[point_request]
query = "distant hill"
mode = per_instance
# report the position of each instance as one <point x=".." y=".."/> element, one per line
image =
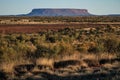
<point x="114" y="15"/>
<point x="59" y="12"/>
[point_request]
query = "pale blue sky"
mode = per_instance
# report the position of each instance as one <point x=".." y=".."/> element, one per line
<point x="11" y="7"/>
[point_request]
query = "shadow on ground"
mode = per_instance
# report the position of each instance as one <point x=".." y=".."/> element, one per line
<point x="97" y="76"/>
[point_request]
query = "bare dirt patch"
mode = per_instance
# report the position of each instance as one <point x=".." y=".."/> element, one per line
<point x="34" y="28"/>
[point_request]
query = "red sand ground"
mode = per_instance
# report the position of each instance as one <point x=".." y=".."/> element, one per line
<point x="33" y="28"/>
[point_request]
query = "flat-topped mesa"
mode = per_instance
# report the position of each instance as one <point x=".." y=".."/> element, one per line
<point x="59" y="12"/>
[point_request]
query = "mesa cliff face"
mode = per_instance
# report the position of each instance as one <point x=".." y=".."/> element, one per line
<point x="59" y="12"/>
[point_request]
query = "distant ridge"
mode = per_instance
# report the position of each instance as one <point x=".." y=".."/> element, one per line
<point x="114" y="15"/>
<point x="59" y="12"/>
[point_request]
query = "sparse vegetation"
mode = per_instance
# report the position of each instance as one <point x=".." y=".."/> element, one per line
<point x="72" y="49"/>
<point x="59" y="19"/>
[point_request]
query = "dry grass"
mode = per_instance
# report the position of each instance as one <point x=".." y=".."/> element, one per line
<point x="87" y="59"/>
<point x="89" y="56"/>
<point x="82" y="56"/>
<point x="8" y="67"/>
<point x="108" y="65"/>
<point x="99" y="56"/>
<point x="106" y="56"/>
<point x="67" y="63"/>
<point x="70" y="57"/>
<point x="45" y="61"/>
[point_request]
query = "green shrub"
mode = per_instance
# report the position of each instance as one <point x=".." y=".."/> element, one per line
<point x="111" y="45"/>
<point x="93" y="50"/>
<point x="42" y="51"/>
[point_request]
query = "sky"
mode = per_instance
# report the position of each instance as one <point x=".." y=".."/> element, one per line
<point x="99" y="7"/>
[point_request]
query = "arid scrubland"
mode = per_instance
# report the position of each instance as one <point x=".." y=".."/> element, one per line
<point x="85" y="53"/>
